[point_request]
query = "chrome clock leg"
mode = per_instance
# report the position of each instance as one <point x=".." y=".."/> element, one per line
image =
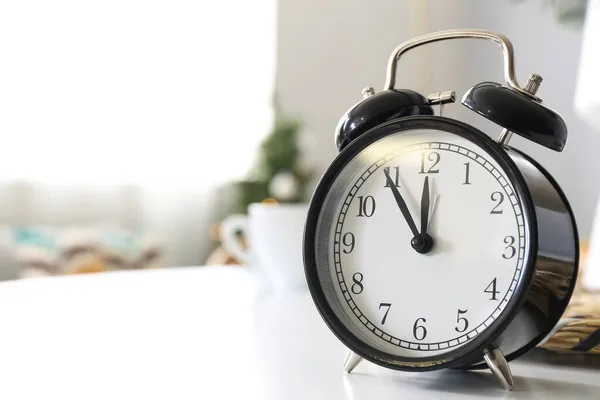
<point x="352" y="361"/>
<point x="499" y="366"/>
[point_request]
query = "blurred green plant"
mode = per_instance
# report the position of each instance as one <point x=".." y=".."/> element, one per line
<point x="278" y="173"/>
<point x="567" y="12"/>
<point x="279" y="151"/>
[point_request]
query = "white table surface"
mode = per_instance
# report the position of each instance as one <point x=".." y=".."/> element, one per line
<point x="206" y="333"/>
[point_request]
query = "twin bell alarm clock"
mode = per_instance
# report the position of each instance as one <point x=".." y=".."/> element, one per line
<point x="430" y="245"/>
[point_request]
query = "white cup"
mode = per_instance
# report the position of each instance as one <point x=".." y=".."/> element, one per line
<point x="273" y="234"/>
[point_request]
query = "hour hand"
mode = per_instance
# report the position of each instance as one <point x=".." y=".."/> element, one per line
<point x="401" y="204"/>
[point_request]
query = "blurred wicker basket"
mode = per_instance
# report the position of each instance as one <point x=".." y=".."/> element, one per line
<point x="578" y="331"/>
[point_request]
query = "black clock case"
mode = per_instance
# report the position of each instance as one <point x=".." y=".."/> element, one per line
<point x="556" y="264"/>
<point x="549" y="275"/>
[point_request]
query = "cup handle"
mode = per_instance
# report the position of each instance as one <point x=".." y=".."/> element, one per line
<point x="227" y="233"/>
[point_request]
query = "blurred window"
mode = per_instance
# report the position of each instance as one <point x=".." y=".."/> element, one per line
<point x="132" y="91"/>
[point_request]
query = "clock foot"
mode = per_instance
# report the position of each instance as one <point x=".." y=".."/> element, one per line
<point x="352" y="361"/>
<point x="499" y="366"/>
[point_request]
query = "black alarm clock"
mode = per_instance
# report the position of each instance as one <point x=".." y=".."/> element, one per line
<point x="430" y="245"/>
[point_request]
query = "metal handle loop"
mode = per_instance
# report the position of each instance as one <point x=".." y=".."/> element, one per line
<point x="503" y="41"/>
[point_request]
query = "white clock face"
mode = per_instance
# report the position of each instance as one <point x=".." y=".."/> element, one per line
<point x="422" y="301"/>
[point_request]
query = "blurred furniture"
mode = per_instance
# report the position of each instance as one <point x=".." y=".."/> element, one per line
<point x="178" y="218"/>
<point x="27" y="252"/>
<point x="130" y="128"/>
<point x="43" y="251"/>
<point x="207" y="333"/>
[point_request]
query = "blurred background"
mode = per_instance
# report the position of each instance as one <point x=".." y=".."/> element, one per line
<point x="131" y="129"/>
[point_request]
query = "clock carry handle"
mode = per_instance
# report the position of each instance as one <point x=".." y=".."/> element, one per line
<point x="503" y="41"/>
<point x="517" y="109"/>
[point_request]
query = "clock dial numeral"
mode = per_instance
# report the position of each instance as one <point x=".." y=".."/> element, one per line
<point x="509" y="241"/>
<point x="467" y="173"/>
<point x="387" y="306"/>
<point x="348" y="241"/>
<point x="366" y="206"/>
<point x="357" y="286"/>
<point x="434" y="158"/>
<point x="419" y="331"/>
<point x="395" y="176"/>
<point x="491" y="289"/>
<point x="499" y="198"/>
<point x="461" y="321"/>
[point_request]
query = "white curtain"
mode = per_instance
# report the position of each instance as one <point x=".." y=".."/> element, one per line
<point x="131" y="111"/>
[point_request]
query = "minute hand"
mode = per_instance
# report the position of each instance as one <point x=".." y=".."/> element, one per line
<point x="401" y="204"/>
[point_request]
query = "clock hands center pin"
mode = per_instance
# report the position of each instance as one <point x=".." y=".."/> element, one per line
<point x="422" y="242"/>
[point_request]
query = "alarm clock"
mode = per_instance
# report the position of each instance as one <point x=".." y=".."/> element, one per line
<point x="430" y="245"/>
